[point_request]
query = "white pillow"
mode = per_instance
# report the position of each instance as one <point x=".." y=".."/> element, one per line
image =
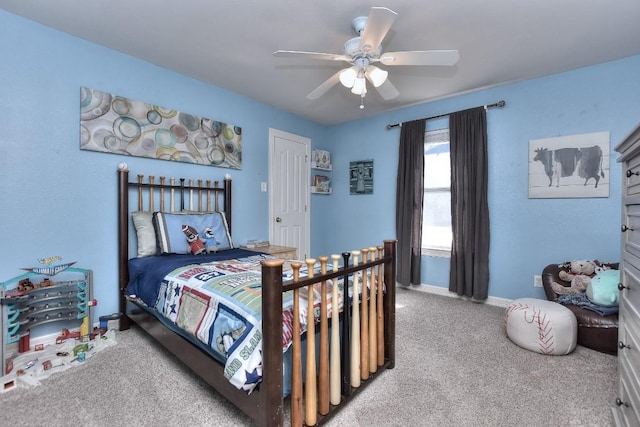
<point x="143" y="223"/>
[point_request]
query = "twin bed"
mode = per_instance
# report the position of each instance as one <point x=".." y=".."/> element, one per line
<point x="239" y="319"/>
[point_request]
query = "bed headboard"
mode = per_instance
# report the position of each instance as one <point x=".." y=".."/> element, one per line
<point x="164" y="195"/>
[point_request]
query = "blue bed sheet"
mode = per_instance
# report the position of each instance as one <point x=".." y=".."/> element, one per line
<point x="146" y="274"/>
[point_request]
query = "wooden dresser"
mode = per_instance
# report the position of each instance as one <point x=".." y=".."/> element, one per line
<point x="626" y="411"/>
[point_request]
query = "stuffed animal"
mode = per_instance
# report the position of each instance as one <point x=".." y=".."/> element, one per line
<point x="210" y="242"/>
<point x="578" y="277"/>
<point x="603" y="289"/>
<point x="196" y="246"/>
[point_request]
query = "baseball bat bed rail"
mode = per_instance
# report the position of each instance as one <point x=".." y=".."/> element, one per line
<point x="372" y="280"/>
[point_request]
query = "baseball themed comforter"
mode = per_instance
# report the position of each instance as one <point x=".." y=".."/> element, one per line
<point x="219" y="303"/>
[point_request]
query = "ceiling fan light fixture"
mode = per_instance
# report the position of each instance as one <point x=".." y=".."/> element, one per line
<point x="376" y="75"/>
<point x="348" y="77"/>
<point x="359" y="86"/>
<point x="364" y="50"/>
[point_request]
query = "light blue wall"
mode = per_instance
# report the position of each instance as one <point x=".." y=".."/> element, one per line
<point x="526" y="234"/>
<point x="59" y="200"/>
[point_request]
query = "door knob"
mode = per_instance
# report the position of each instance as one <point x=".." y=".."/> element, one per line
<point x="620" y="402"/>
<point x="625" y="228"/>
<point x="278" y="219"/>
<point x="622" y="345"/>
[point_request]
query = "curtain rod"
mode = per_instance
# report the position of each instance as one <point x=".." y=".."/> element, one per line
<point x="499" y="104"/>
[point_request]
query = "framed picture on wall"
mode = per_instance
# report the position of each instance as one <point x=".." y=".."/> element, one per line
<point x="574" y="166"/>
<point x="322" y="184"/>
<point x="361" y="177"/>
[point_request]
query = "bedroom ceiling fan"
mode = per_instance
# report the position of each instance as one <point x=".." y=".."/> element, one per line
<point x="364" y="51"/>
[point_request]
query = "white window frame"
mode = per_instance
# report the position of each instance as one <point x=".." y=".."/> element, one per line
<point x="440" y="135"/>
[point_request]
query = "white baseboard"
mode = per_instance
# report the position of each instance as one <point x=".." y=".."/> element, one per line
<point x="439" y="290"/>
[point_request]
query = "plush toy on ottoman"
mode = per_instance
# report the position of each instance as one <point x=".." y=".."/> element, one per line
<point x="542" y="326"/>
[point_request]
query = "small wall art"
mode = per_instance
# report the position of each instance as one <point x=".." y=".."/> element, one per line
<point x="322" y="184"/>
<point x="113" y="124"/>
<point x="321" y="159"/>
<point x="361" y="177"/>
<point x="569" y="166"/>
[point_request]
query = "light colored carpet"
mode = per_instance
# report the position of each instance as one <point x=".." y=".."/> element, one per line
<point x="454" y="367"/>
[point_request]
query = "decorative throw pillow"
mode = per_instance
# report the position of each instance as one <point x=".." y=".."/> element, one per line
<point x="211" y="228"/>
<point x="146" y="233"/>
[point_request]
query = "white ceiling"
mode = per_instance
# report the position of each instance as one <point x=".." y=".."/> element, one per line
<point x="230" y="43"/>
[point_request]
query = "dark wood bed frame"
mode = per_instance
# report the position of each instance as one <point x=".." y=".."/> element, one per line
<point x="266" y="404"/>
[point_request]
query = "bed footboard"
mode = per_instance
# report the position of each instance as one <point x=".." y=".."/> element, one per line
<point x="366" y="326"/>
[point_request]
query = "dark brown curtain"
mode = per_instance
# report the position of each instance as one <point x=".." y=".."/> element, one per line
<point x="469" y="274"/>
<point x="409" y="196"/>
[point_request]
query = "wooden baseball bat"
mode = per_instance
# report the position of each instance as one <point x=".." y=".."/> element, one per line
<point x="323" y="377"/>
<point x="162" y="178"/>
<point x="355" y="327"/>
<point x="364" y="327"/>
<point x="334" y="365"/>
<point x="151" y="204"/>
<point x="182" y="207"/>
<point x="208" y="195"/>
<point x="311" y="391"/>
<point x="346" y="324"/>
<point x="216" y="198"/>
<point x="199" y="195"/>
<point x="190" y="194"/>
<point x="373" y="318"/>
<point x="296" y="356"/>
<point x="172" y="195"/>
<point x="140" y="177"/>
<point x="380" y="310"/>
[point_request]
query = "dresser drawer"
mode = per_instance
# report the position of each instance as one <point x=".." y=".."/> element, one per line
<point x="626" y="414"/>
<point x="631" y="179"/>
<point x="631" y="229"/>
<point x="629" y="336"/>
<point x="630" y="295"/>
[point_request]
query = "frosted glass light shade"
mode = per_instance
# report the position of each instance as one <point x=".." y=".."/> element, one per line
<point x="348" y="77"/>
<point x="376" y="75"/>
<point x="359" y="86"/>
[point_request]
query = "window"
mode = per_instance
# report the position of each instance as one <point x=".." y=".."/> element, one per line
<point x="436" y="207"/>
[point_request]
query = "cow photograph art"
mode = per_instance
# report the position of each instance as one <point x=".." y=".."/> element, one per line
<point x="569" y="166"/>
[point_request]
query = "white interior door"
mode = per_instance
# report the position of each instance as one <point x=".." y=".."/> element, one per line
<point x="289" y="168"/>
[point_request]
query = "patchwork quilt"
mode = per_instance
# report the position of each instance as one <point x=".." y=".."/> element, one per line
<point x="219" y="303"/>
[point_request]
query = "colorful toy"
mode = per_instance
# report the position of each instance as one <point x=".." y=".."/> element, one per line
<point x="49" y="268"/>
<point x="196" y="245"/>
<point x="210" y="242"/>
<point x="603" y="289"/>
<point x="578" y="276"/>
<point x="104" y="320"/>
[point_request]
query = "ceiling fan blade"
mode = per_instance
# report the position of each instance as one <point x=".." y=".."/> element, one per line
<point x="311" y="55"/>
<point x="324" y="87"/>
<point x="378" y="24"/>
<point x="387" y="90"/>
<point x="421" y="57"/>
